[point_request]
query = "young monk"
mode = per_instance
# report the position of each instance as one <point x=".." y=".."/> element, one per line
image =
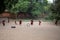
<point x="20" y="22"/>
<point x="15" y="22"/>
<point x="31" y="22"/>
<point x="3" y="22"/>
<point x="39" y="22"/>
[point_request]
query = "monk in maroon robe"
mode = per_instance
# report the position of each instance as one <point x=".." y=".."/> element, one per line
<point x="3" y="22"/>
<point x="31" y="22"/>
<point x="20" y="22"/>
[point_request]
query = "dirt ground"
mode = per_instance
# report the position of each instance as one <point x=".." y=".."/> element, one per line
<point x="45" y="31"/>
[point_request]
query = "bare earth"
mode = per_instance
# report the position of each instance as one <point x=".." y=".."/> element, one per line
<point x="46" y="31"/>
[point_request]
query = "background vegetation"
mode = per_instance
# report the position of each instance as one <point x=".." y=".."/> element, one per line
<point x="36" y="8"/>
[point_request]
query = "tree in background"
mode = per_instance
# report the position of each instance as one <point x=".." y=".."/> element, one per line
<point x="10" y="3"/>
<point x="2" y="6"/>
<point x="33" y="7"/>
<point x="56" y="10"/>
<point x="40" y="7"/>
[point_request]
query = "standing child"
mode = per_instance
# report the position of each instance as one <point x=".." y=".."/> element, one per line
<point x="39" y="22"/>
<point x="3" y="22"/>
<point x="31" y="22"/>
<point x="15" y="22"/>
<point x="8" y="20"/>
<point x="20" y="22"/>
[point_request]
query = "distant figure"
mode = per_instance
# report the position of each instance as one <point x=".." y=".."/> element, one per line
<point x="31" y="22"/>
<point x="15" y="22"/>
<point x="56" y="22"/>
<point x="39" y="22"/>
<point x="3" y="22"/>
<point x="20" y="22"/>
<point x="8" y="20"/>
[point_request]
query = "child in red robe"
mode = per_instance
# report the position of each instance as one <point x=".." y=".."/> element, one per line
<point x="3" y="22"/>
<point x="20" y="22"/>
<point x="31" y="22"/>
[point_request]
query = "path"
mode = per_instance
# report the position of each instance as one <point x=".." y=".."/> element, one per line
<point x="46" y="31"/>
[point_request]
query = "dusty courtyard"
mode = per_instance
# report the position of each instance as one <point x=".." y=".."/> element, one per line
<point x="46" y="31"/>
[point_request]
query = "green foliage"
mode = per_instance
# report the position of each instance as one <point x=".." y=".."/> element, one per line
<point x="56" y="9"/>
<point x="35" y="7"/>
<point x="9" y="3"/>
<point x="21" y="6"/>
<point x="39" y="7"/>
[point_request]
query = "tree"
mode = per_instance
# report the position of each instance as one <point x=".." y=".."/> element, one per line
<point x="56" y="10"/>
<point x="2" y="6"/>
<point x="10" y="3"/>
<point x="33" y="7"/>
<point x="37" y="7"/>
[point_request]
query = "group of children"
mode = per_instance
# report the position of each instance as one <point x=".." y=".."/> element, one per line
<point x="20" y="22"/>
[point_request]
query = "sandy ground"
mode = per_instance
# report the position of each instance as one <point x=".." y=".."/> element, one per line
<point x="46" y="31"/>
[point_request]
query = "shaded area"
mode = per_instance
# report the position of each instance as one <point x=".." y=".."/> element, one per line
<point x="2" y="6"/>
